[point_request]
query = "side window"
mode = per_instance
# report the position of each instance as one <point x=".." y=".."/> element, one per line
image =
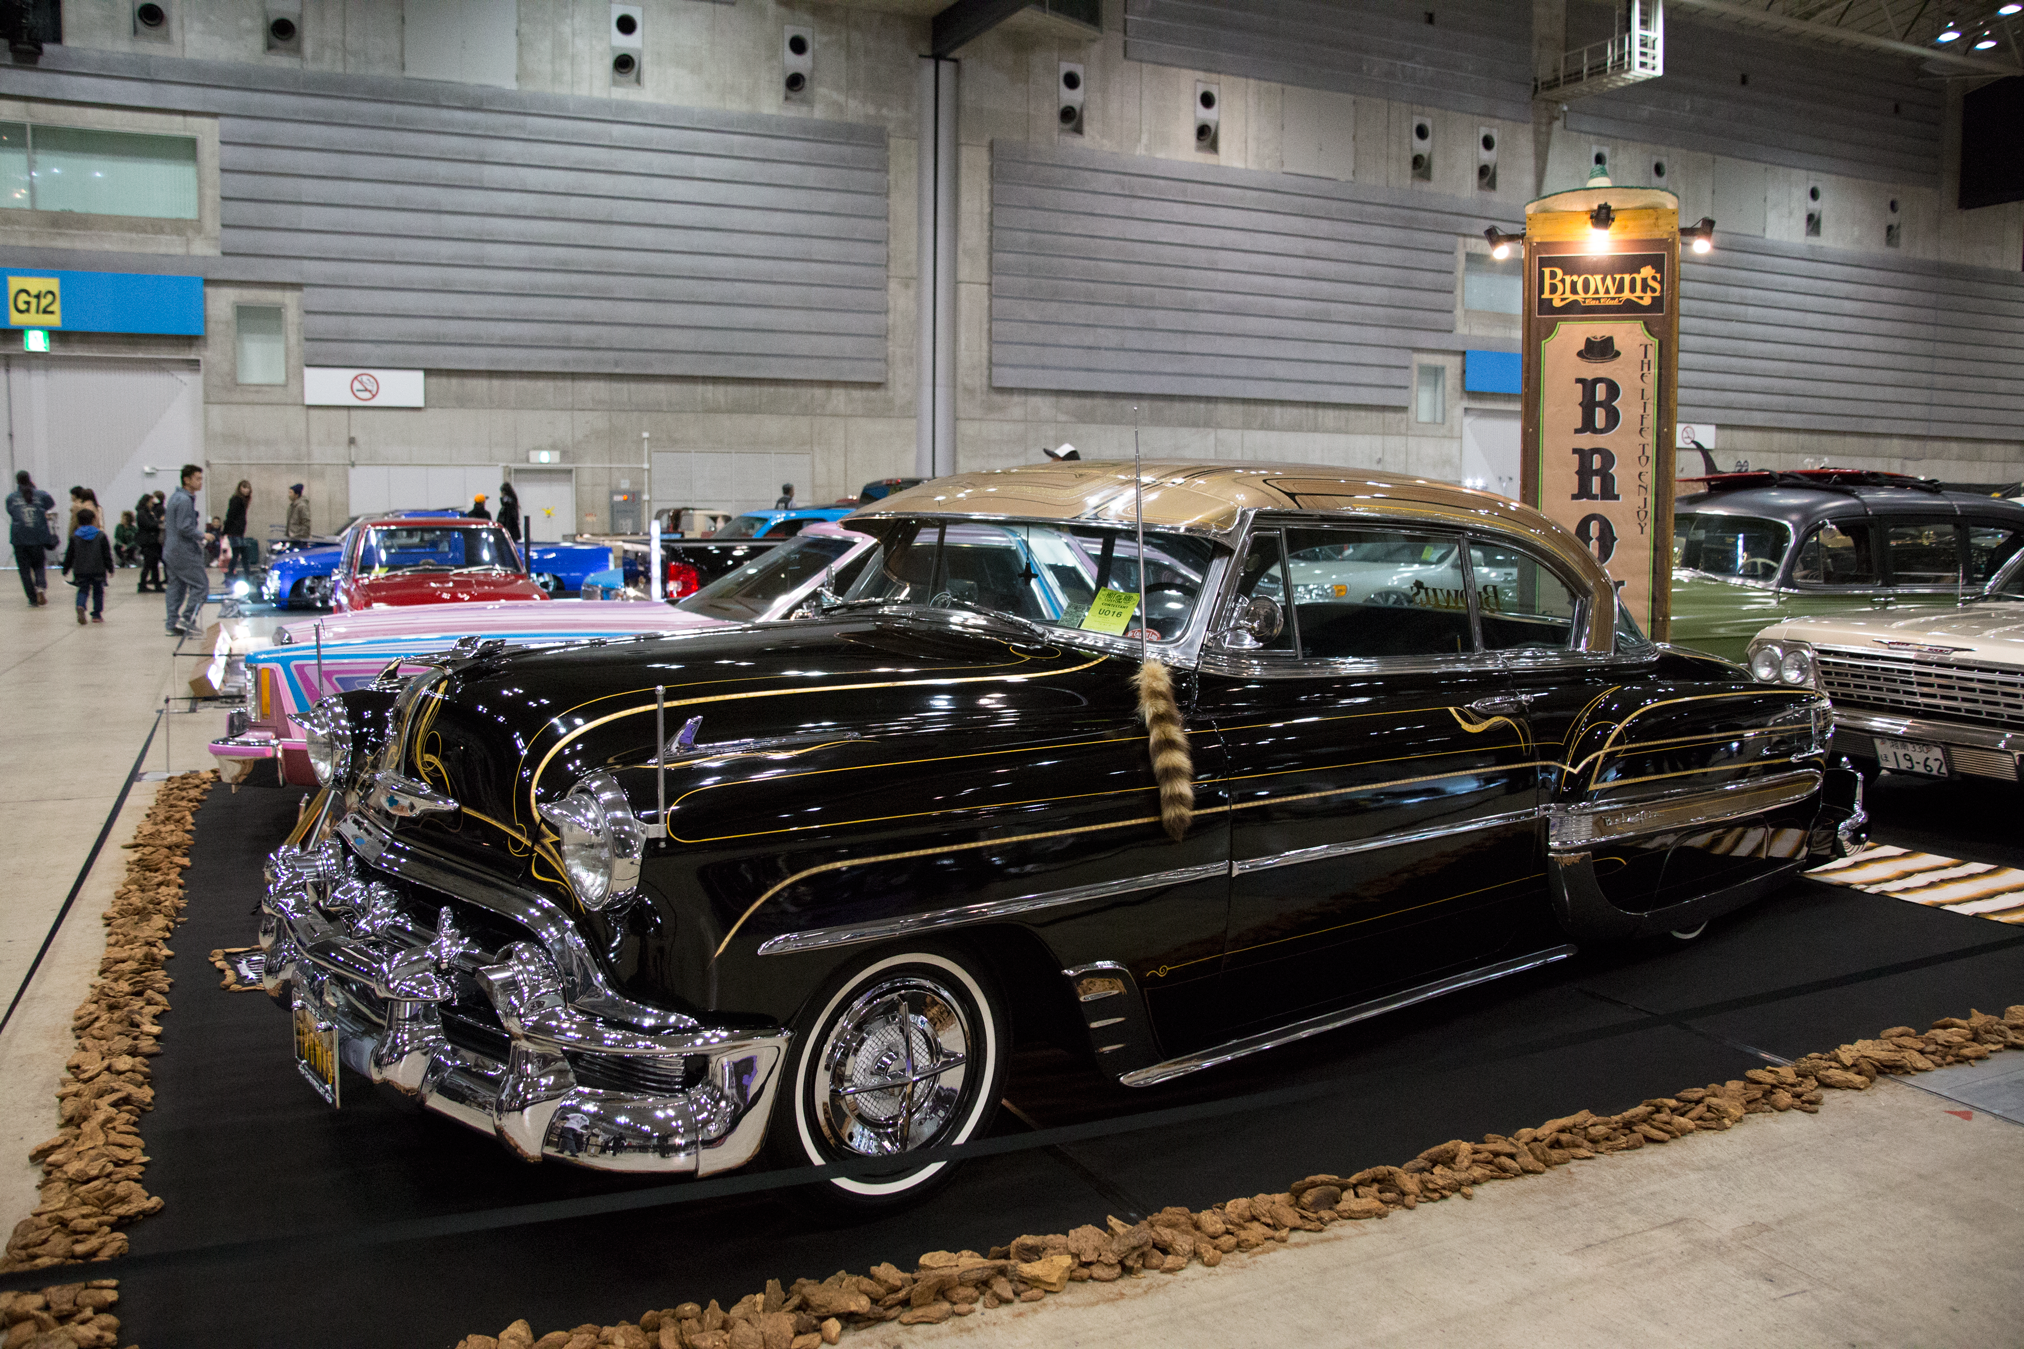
<point x="1523" y="604"/>
<point x="1989" y="547"/>
<point x="1924" y="553"/>
<point x="1370" y="594"/>
<point x="1264" y="577"/>
<point x="1836" y="555"/>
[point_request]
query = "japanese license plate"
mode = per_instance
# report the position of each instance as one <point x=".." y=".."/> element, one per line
<point x="316" y="1052"/>
<point x="1912" y="756"/>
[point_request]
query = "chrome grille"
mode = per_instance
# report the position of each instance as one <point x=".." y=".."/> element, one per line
<point x="1931" y="688"/>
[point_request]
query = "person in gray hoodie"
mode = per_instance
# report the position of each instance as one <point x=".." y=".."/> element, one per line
<point x="183" y="556"/>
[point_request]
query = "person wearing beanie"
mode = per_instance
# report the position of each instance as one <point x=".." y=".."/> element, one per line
<point x="28" y="508"/>
<point x="88" y="561"/>
<point x="478" y="511"/>
<point x="298" y="512"/>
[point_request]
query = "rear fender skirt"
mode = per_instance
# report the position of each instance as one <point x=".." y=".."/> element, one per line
<point x="1586" y="916"/>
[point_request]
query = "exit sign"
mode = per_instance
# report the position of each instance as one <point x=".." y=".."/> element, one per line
<point x="35" y="339"/>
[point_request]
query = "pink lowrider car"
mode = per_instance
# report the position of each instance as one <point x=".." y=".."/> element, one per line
<point x="312" y="659"/>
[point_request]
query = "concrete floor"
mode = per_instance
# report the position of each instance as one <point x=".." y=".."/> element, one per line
<point x="1883" y="1220"/>
<point x="79" y="703"/>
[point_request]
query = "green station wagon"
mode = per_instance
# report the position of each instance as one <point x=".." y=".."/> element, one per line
<point x="1760" y="548"/>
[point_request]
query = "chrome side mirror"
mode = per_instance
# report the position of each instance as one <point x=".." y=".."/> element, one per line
<point x="1255" y="624"/>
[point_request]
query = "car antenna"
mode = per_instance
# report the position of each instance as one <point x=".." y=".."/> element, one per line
<point x="1138" y="511"/>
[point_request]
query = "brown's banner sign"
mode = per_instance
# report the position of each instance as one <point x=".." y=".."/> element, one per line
<point x="1601" y="339"/>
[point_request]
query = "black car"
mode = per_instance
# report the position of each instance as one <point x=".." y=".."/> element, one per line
<point x="1326" y="745"/>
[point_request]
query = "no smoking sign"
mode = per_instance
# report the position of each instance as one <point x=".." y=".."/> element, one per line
<point x="349" y="386"/>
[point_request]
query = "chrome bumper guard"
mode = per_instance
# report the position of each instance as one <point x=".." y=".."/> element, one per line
<point x="341" y="943"/>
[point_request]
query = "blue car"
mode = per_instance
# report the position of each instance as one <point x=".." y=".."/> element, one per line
<point x="561" y="568"/>
<point x="778" y="524"/>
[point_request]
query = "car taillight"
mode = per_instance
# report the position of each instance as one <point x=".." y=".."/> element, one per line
<point x="682" y="580"/>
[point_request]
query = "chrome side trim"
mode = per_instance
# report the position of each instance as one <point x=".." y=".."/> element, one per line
<point x="1576" y="828"/>
<point x="1391" y="840"/>
<point x="1930" y="729"/>
<point x="1328" y="1021"/>
<point x="855" y="934"/>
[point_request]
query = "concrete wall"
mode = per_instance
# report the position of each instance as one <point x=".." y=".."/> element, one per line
<point x="728" y="57"/>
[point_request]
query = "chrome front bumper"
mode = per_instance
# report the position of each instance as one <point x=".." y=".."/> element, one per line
<point x="346" y="944"/>
<point x="1979" y="751"/>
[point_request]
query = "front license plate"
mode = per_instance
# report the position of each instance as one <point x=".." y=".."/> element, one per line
<point x="1912" y="756"/>
<point x="316" y="1052"/>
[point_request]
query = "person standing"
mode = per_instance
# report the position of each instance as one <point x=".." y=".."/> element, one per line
<point x="478" y="511"/>
<point x="298" y="513"/>
<point x="509" y="511"/>
<point x="237" y="545"/>
<point x="80" y="500"/>
<point x="183" y="555"/>
<point x="88" y="561"/>
<point x="28" y="508"/>
<point x="148" y="526"/>
<point x="785" y="502"/>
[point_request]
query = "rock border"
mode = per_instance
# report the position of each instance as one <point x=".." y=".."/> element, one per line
<point x="91" y="1170"/>
<point x="946" y="1284"/>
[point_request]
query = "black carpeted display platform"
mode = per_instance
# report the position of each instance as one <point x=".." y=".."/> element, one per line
<point x="243" y="1151"/>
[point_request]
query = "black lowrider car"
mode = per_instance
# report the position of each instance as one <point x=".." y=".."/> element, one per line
<point x="654" y="904"/>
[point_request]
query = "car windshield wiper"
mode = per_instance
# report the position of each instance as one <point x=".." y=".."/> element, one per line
<point x="489" y="566"/>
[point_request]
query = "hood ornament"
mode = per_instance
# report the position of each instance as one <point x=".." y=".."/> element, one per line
<point x="1919" y="648"/>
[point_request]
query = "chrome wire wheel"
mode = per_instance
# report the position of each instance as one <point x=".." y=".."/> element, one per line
<point x="890" y="1077"/>
<point x="906" y="1053"/>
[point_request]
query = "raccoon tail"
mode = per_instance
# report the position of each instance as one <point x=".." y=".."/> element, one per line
<point x="1173" y="765"/>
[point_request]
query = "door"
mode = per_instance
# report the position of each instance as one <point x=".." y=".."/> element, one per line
<point x="1380" y="794"/>
<point x="547" y="503"/>
<point x="1490" y="459"/>
<point x="119" y="427"/>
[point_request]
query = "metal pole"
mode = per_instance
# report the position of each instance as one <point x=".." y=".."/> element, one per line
<point x="656" y="572"/>
<point x="1138" y="510"/>
<point x="319" y="666"/>
<point x="661" y="756"/>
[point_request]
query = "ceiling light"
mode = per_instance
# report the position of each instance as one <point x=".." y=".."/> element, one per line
<point x="1949" y="32"/>
<point x="2005" y="11"/>
<point x="1984" y="42"/>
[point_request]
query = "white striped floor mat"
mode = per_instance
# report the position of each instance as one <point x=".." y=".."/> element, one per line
<point x="1981" y="889"/>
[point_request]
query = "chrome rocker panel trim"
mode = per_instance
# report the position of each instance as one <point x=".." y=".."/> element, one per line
<point x="1391" y="840"/>
<point x="855" y="934"/>
<point x="329" y="937"/>
<point x="1328" y="1021"/>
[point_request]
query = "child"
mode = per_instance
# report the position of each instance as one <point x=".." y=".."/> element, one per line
<point x="88" y="560"/>
<point x="126" y="538"/>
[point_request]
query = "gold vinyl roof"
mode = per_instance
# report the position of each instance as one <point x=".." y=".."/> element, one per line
<point x="1194" y="494"/>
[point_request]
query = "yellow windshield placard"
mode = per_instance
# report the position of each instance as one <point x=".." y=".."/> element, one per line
<point x="1109" y="611"/>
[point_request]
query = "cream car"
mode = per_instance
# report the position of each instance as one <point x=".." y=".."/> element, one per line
<point x="1938" y="691"/>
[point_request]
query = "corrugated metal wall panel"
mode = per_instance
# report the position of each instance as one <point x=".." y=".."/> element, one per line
<point x="1476" y="58"/>
<point x="1783" y="335"/>
<point x="1126" y="274"/>
<point x="1805" y="107"/>
<point x="457" y="227"/>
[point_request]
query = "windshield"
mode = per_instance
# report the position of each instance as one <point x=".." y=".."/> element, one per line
<point x="1741" y="546"/>
<point x="2009" y="583"/>
<point x="754" y="588"/>
<point x="1073" y="577"/>
<point x="388" y="548"/>
<point x="743" y="527"/>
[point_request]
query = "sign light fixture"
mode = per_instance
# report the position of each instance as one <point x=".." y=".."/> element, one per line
<point x="35" y="339"/>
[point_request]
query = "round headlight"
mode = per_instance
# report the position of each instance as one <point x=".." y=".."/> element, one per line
<point x="327" y="740"/>
<point x="1764" y="663"/>
<point x="1797" y="667"/>
<point x="601" y="840"/>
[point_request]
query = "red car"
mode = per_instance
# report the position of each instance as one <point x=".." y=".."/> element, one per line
<point x="396" y="560"/>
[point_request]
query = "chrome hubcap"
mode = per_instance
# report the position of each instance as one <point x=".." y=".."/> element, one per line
<point x="892" y="1070"/>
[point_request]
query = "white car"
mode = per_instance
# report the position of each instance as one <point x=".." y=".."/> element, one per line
<point x="1935" y="691"/>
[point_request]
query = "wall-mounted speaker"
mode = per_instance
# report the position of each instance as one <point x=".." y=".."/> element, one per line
<point x="1893" y="228"/>
<point x="797" y="57"/>
<point x="284" y="29"/>
<point x="1813" y="212"/>
<point x="1208" y="117"/>
<point x="1486" y="159"/>
<point x="629" y="26"/>
<point x="153" y="19"/>
<point x="626" y="67"/>
<point x="1069" y="93"/>
<point x="1598" y="158"/>
<point x="1420" y="149"/>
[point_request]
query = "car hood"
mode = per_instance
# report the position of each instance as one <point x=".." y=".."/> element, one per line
<point x="503" y="734"/>
<point x="1992" y="630"/>
<point x="497" y="618"/>
<point x="443" y="588"/>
